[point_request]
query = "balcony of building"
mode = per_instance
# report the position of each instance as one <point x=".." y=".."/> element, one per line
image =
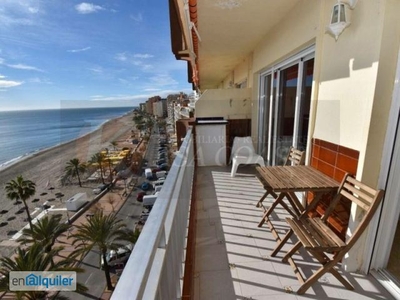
<point x="223" y="254"/>
<point x="233" y="258"/>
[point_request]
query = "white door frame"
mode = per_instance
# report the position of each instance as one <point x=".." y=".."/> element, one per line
<point x="299" y="59"/>
<point x="378" y="253"/>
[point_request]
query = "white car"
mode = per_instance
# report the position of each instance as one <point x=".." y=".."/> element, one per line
<point x="100" y="188"/>
<point x="120" y="256"/>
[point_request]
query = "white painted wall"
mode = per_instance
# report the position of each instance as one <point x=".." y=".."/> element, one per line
<point x="353" y="79"/>
<point x="226" y="103"/>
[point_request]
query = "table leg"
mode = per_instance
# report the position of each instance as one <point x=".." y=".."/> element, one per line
<point x="296" y="204"/>
<point x="268" y="192"/>
<point x="269" y="211"/>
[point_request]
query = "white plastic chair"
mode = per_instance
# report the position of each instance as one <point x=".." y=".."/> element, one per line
<point x="243" y="152"/>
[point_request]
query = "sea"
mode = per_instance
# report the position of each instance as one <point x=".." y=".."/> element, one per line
<point x="23" y="133"/>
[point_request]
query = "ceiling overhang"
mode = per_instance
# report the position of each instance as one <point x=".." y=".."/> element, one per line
<point x="229" y="30"/>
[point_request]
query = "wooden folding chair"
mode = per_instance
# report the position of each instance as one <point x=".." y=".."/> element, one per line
<point x="318" y="239"/>
<point x="295" y="157"/>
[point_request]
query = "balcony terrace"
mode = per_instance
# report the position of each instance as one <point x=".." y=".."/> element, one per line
<point x="232" y="255"/>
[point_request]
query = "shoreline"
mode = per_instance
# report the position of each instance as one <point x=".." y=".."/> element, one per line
<point x="4" y="166"/>
<point x="40" y="152"/>
<point x="46" y="167"/>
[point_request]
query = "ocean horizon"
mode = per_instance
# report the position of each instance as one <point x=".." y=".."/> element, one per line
<point x="25" y="132"/>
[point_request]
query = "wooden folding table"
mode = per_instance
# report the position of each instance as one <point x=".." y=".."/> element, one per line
<point x="287" y="180"/>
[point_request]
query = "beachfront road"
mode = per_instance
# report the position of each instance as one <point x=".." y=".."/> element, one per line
<point x="93" y="277"/>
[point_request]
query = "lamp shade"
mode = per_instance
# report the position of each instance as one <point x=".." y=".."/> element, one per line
<point x="339" y="20"/>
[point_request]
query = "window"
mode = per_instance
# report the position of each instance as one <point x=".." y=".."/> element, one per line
<point x="284" y="101"/>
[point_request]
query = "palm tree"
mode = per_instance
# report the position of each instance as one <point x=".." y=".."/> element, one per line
<point x="20" y="189"/>
<point x="34" y="259"/>
<point x="44" y="232"/>
<point x="74" y="168"/>
<point x="162" y="123"/>
<point x="149" y="124"/>
<point x="98" y="159"/>
<point x="106" y="232"/>
<point x="132" y="236"/>
<point x="140" y="126"/>
<point x="137" y="119"/>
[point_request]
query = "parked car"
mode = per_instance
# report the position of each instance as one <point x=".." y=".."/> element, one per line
<point x="145" y="186"/>
<point x="164" y="167"/>
<point x="119" y="256"/>
<point x="161" y="174"/>
<point x="140" y="196"/>
<point x="155" y="170"/>
<point x="148" y="173"/>
<point x="161" y="161"/>
<point x="158" y="183"/>
<point x="100" y="188"/>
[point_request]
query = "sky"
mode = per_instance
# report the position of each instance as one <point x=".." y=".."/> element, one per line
<point x="63" y="53"/>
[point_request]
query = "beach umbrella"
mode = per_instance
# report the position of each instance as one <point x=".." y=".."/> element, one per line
<point x="43" y="194"/>
<point x="2" y="224"/>
<point x="11" y="218"/>
<point x="3" y="212"/>
<point x="20" y="211"/>
<point x="12" y="232"/>
<point x="35" y="200"/>
<point x="17" y="202"/>
<point x="51" y="199"/>
<point x="51" y="188"/>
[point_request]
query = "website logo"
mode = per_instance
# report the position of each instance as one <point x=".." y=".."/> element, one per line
<point x="42" y="281"/>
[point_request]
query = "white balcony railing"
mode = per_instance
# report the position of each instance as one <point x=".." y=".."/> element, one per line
<point x="154" y="269"/>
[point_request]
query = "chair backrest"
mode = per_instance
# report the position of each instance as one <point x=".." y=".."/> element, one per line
<point x="362" y="195"/>
<point x="243" y="146"/>
<point x="295" y="157"/>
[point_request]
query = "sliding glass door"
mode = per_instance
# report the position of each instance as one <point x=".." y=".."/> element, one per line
<point x="285" y="95"/>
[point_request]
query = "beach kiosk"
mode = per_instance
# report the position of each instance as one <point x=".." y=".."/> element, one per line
<point x="76" y="202"/>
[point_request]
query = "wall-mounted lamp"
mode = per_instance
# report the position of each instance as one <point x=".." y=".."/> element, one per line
<point x="340" y="18"/>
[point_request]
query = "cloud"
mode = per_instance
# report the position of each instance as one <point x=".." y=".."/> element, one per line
<point x="118" y="97"/>
<point x="163" y="79"/>
<point x="121" y="56"/>
<point x="23" y="12"/>
<point x="98" y="70"/>
<point x="40" y="80"/>
<point x="79" y="50"/>
<point x="9" y="83"/>
<point x="136" y="60"/>
<point x="143" y="55"/>
<point x="24" y="67"/>
<point x="19" y="66"/>
<point x="88" y="8"/>
<point x="138" y="17"/>
<point x="33" y="10"/>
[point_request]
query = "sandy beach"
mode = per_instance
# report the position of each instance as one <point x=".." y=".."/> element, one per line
<point x="46" y="167"/>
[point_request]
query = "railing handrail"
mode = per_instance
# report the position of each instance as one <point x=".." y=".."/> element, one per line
<point x="132" y="283"/>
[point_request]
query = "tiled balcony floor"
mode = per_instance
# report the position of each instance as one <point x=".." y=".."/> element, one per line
<point x="232" y="253"/>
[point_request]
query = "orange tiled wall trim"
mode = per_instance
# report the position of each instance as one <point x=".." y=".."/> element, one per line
<point x="335" y="161"/>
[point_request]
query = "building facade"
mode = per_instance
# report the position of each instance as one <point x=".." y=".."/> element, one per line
<point x="336" y="97"/>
